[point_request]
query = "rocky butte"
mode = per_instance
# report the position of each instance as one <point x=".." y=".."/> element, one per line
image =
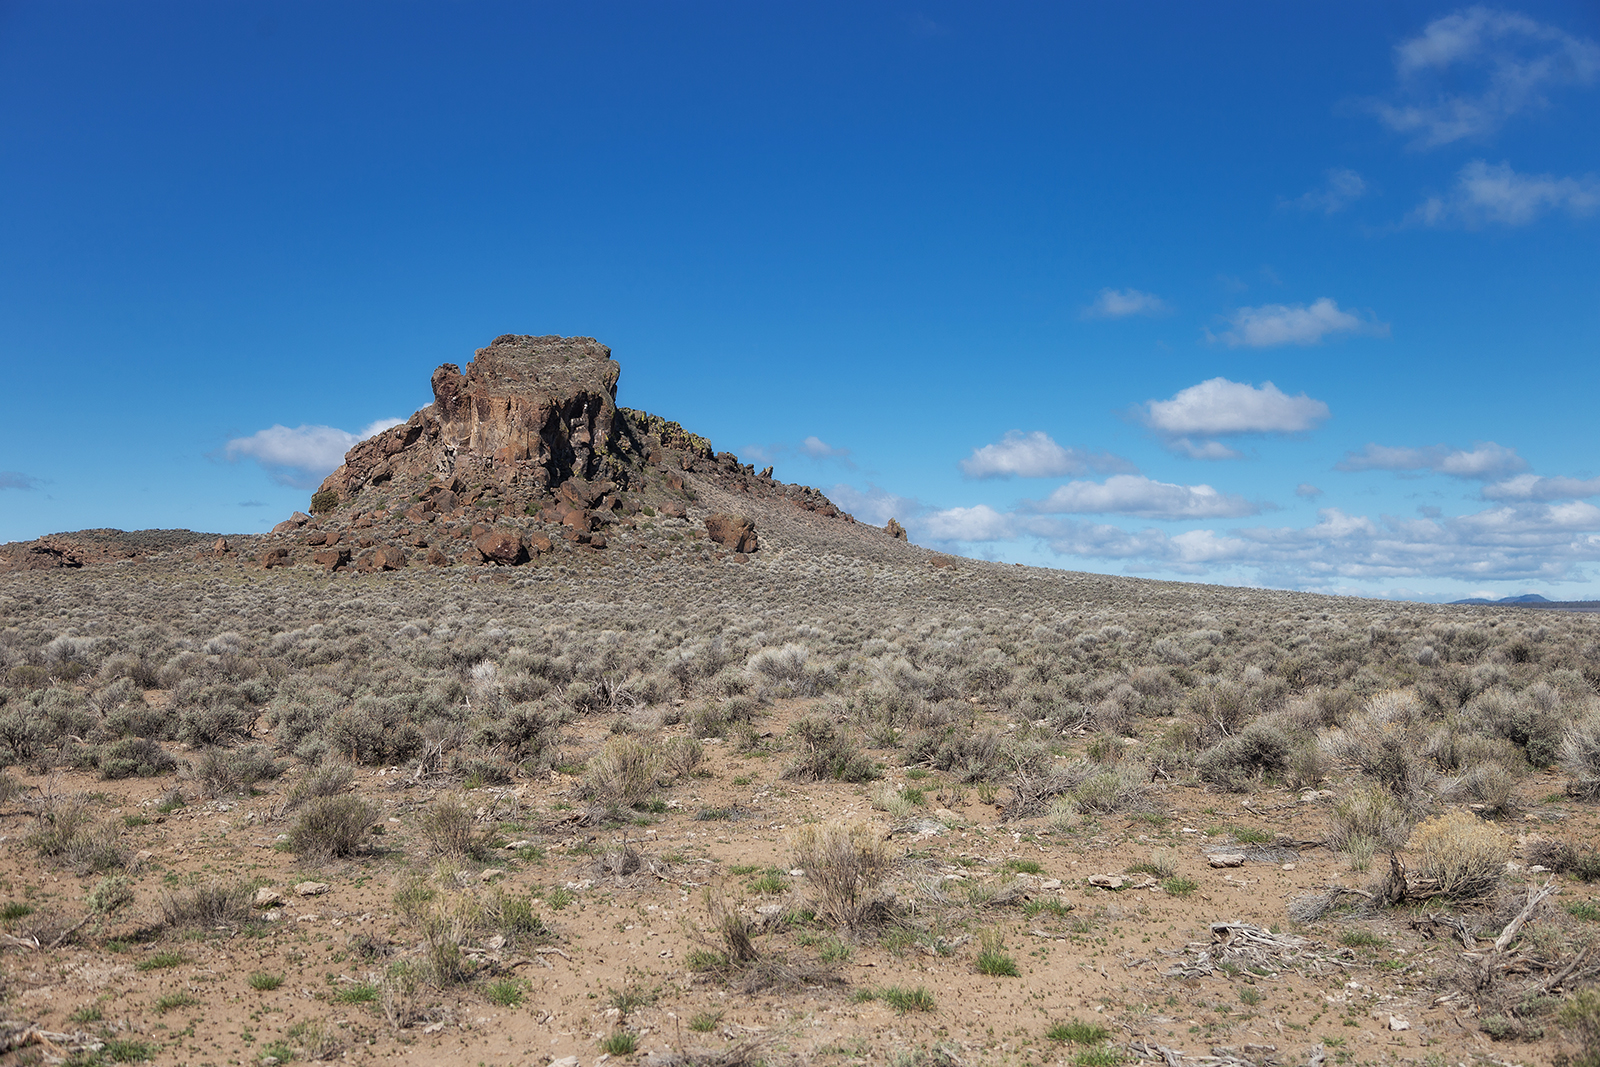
<point x="524" y="449"/>
<point x="522" y="455"/>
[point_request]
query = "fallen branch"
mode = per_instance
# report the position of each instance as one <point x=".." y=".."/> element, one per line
<point x="1535" y="898"/>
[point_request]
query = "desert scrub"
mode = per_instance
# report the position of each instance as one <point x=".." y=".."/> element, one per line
<point x="446" y="826"/>
<point x="624" y="774"/>
<point x="134" y="757"/>
<point x="224" y="771"/>
<point x="992" y="958"/>
<point x="1373" y="815"/>
<point x="331" y="827"/>
<point x="826" y="751"/>
<point x="844" y="865"/>
<point x="1580" y="757"/>
<point x="66" y="832"/>
<point x="206" y="906"/>
<point x="330" y="778"/>
<point x="1464" y="857"/>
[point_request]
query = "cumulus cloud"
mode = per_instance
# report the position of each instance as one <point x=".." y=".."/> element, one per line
<point x="978" y="523"/>
<point x="1220" y="408"/>
<point x="1294" y="324"/>
<point x="1141" y="497"/>
<point x="1342" y="188"/>
<point x="1485" y="461"/>
<point x="1470" y="71"/>
<point x="1494" y="193"/>
<point x="303" y="456"/>
<point x="1535" y="487"/>
<point x="1036" y="455"/>
<point x="1530" y="542"/>
<point x="17" y="480"/>
<point x="1120" y="303"/>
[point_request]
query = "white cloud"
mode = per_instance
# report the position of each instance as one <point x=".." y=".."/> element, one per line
<point x="1183" y="446"/>
<point x="1307" y="491"/>
<point x="1120" y="303"/>
<point x="1528" y="542"/>
<point x="1485" y="461"/>
<point x="875" y="505"/>
<point x="1295" y="324"/>
<point x="1219" y="407"/>
<point x="1535" y="487"/>
<point x="303" y="456"/>
<point x="817" y="448"/>
<point x="17" y="480"/>
<point x="1343" y="188"/>
<point x="1036" y="455"/>
<point x="1470" y="71"/>
<point x="1141" y="497"/>
<point x="978" y="523"/>
<point x="1494" y="193"/>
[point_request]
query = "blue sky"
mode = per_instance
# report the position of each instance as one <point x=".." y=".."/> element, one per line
<point x="1302" y="296"/>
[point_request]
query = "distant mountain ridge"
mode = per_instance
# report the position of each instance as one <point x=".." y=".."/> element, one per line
<point x="1525" y="598"/>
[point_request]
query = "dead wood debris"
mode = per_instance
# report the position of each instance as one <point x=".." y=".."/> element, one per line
<point x="1251" y="947"/>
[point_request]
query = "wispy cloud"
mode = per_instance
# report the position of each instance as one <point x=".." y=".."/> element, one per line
<point x="1120" y="303"/>
<point x="1342" y="188"/>
<point x="1140" y="497"/>
<point x="303" y="456"/>
<point x="1494" y="193"/>
<point x="1307" y="491"/>
<point x="1295" y="324"/>
<point x="1223" y="408"/>
<point x="18" y="480"/>
<point x="813" y="447"/>
<point x="1036" y="455"/>
<point x="1470" y="71"/>
<point x="1535" y="487"/>
<point x="1486" y="460"/>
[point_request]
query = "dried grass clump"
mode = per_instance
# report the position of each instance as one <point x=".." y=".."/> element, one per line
<point x="206" y="906"/>
<point x="447" y="828"/>
<point x="1580" y="757"/>
<point x="1462" y="855"/>
<point x="331" y="827"/>
<point x="623" y="774"/>
<point x="1372" y="815"/>
<point x="330" y="778"/>
<point x="65" y="831"/>
<point x="845" y="864"/>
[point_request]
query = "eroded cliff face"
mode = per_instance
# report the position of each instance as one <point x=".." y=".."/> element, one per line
<point x="527" y="415"/>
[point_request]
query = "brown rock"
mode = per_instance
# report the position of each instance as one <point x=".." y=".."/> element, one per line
<point x="578" y="520"/>
<point x="417" y="513"/>
<point x="437" y="558"/>
<point x="274" y="557"/>
<point x="598" y="540"/>
<point x="292" y="523"/>
<point x="331" y="559"/>
<point x="895" y="530"/>
<point x="221" y="547"/>
<point x="539" y="544"/>
<point x="732" y="531"/>
<point x="674" y="509"/>
<point x="501" y="546"/>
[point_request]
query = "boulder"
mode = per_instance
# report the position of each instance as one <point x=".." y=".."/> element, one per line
<point x="539" y="544"/>
<point x="437" y="558"/>
<point x="331" y="559"/>
<point x="221" y="547"/>
<point x="292" y="523"/>
<point x="895" y="530"/>
<point x="732" y="531"/>
<point x="501" y="546"/>
<point x="673" y="509"/>
<point x="274" y="557"/>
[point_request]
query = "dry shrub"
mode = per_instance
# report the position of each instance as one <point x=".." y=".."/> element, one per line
<point x="65" y="831"/>
<point x="1580" y="758"/>
<point x="223" y="772"/>
<point x="447" y="828"/>
<point x="1260" y="749"/>
<point x="330" y="778"/>
<point x="1380" y="743"/>
<point x="332" y="826"/>
<point x="623" y="774"/>
<point x="682" y="755"/>
<point x="206" y="906"/>
<point x="828" y="752"/>
<point x="134" y="757"/>
<point x="845" y="864"/>
<point x="1370" y="814"/>
<point x="1465" y="856"/>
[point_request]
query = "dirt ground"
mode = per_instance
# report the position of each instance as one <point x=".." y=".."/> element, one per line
<point x="1368" y="986"/>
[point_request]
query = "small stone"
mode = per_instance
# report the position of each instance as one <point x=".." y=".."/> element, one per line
<point x="268" y="898"/>
<point x="1397" y="1023"/>
<point x="490" y="873"/>
<point x="565" y="1061"/>
<point x="1227" y="859"/>
<point x="311" y="889"/>
<point x="308" y="918"/>
<point x="1108" y="881"/>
